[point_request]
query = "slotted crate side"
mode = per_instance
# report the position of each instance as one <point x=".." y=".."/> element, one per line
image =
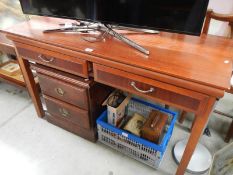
<point x="149" y="159"/>
<point x="138" y="148"/>
<point x="144" y="108"/>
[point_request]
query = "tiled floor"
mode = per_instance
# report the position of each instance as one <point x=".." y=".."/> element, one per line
<point x="32" y="146"/>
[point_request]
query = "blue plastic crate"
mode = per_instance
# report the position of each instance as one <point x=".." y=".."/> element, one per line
<point x="134" y="146"/>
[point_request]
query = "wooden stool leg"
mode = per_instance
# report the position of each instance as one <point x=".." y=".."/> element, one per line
<point x="229" y="134"/>
<point x="182" y="117"/>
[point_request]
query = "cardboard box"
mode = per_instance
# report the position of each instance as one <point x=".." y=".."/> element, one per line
<point x="115" y="115"/>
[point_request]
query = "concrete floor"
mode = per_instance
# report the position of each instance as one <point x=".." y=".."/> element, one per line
<point x="32" y="146"/>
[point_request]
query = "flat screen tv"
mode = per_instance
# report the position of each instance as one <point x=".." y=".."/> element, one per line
<point x="181" y="16"/>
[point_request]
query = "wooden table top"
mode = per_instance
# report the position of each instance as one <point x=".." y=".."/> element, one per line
<point x="205" y="60"/>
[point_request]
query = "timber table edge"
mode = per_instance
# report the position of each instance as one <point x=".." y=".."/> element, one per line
<point x="92" y="58"/>
<point x="36" y="33"/>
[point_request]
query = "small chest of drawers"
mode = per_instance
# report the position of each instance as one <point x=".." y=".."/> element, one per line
<point x="72" y="102"/>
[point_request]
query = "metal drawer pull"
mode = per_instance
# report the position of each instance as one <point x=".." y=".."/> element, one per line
<point x="47" y="60"/>
<point x="59" y="91"/>
<point x="142" y="91"/>
<point x="64" y="112"/>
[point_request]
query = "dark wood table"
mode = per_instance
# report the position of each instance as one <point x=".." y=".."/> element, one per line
<point x="187" y="72"/>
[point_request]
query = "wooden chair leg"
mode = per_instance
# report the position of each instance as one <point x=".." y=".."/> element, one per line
<point x="182" y="117"/>
<point x="194" y="120"/>
<point x="229" y="134"/>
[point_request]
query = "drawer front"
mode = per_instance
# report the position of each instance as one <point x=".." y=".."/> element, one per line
<point x="67" y="112"/>
<point x="64" y="91"/>
<point x="88" y="134"/>
<point x="56" y="60"/>
<point x="152" y="89"/>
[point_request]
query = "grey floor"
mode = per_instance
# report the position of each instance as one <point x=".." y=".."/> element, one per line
<point x="32" y="146"/>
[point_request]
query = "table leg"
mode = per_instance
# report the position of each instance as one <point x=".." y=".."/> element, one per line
<point x="31" y="85"/>
<point x="196" y="133"/>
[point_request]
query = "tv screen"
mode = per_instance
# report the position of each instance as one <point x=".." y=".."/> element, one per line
<point x="181" y="16"/>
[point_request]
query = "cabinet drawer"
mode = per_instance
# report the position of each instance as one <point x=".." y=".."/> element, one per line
<point x="89" y="134"/>
<point x="67" y="111"/>
<point x="56" y="60"/>
<point x="149" y="88"/>
<point x="63" y="91"/>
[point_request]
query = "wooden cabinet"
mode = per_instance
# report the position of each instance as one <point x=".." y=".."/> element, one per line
<point x="72" y="102"/>
<point x="7" y="47"/>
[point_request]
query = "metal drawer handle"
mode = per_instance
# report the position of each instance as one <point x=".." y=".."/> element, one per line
<point x="47" y="60"/>
<point x="60" y="91"/>
<point x="64" y="112"/>
<point x="133" y="84"/>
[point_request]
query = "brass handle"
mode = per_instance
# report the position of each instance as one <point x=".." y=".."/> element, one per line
<point x="64" y="112"/>
<point x="133" y="84"/>
<point x="60" y="91"/>
<point x="43" y="58"/>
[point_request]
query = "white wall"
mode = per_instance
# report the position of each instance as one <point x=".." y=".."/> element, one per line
<point x="220" y="6"/>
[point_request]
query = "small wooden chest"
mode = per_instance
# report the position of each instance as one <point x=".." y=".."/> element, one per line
<point x="154" y="126"/>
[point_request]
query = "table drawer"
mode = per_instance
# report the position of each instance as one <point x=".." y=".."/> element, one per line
<point x="66" y="111"/>
<point x="56" y="60"/>
<point x="64" y="91"/>
<point x="149" y="88"/>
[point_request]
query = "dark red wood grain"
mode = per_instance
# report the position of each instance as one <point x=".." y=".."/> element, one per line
<point x="191" y="58"/>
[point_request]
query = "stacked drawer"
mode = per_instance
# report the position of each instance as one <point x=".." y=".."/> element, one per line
<point x="72" y="102"/>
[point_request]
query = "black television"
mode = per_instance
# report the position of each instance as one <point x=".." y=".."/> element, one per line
<point x="180" y="16"/>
